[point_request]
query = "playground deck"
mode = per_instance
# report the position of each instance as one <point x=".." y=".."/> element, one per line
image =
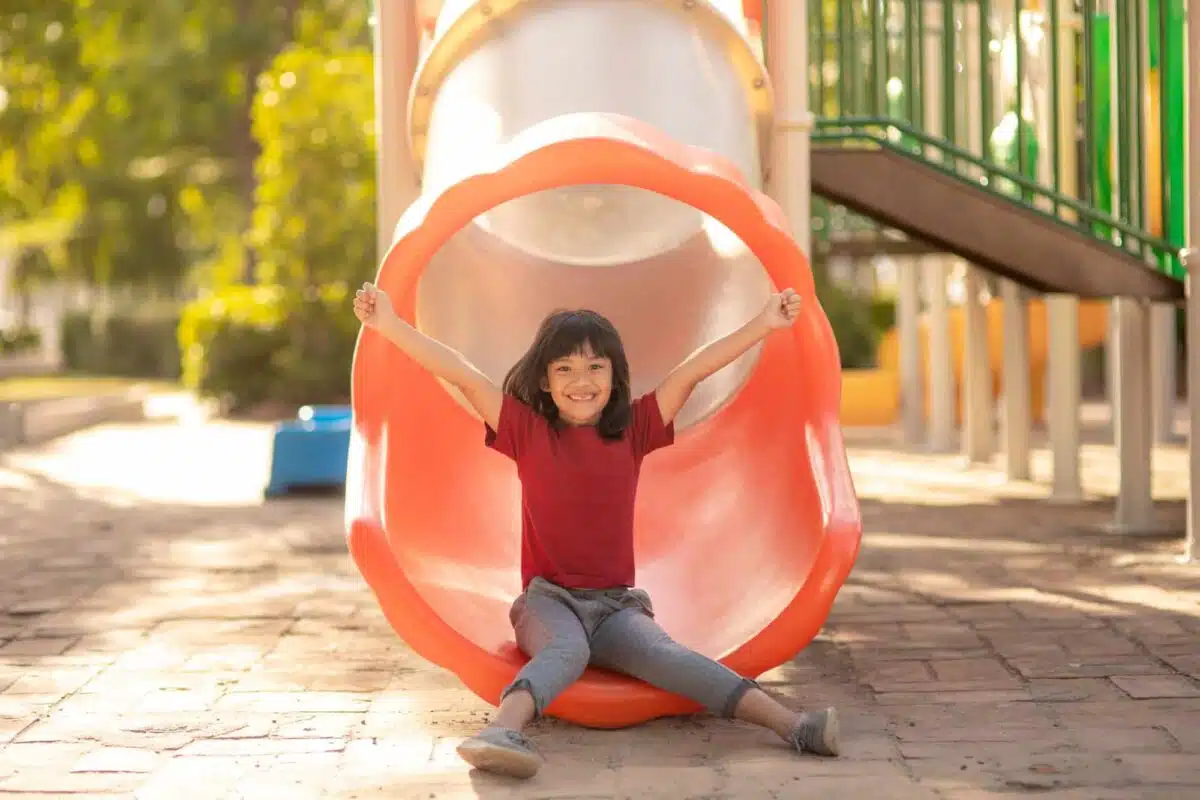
<point x="163" y="634"/>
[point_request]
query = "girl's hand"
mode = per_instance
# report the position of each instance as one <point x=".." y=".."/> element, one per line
<point x="372" y="305"/>
<point x="782" y="309"/>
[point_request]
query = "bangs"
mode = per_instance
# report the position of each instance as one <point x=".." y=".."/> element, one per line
<point x="571" y="332"/>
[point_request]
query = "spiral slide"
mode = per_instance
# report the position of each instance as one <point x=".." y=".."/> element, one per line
<point x="555" y="174"/>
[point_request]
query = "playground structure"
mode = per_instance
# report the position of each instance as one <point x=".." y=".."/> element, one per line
<point x="1041" y="144"/>
<point x="912" y="58"/>
<point x="515" y="179"/>
<point x="871" y="397"/>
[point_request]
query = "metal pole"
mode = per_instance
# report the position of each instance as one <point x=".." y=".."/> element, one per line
<point x="1063" y="359"/>
<point x="1107" y="191"/>
<point x="1017" y="416"/>
<point x="978" y="435"/>
<point x="912" y="394"/>
<point x="1135" y="506"/>
<point x="978" y="408"/>
<point x="1164" y="342"/>
<point x="397" y="38"/>
<point x="1192" y="156"/>
<point x="1062" y="380"/>
<point x="790" y="182"/>
<point x="1133" y="379"/>
<point x="1165" y="384"/>
<point x="943" y="399"/>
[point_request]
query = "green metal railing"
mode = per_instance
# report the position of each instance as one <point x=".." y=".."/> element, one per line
<point x="955" y="161"/>
<point x="1073" y="107"/>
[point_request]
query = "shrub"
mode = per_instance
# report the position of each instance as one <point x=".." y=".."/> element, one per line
<point x="135" y="344"/>
<point x="883" y="313"/>
<point x="227" y="340"/>
<point x="314" y="366"/>
<point x="850" y="317"/>
<point x="250" y="345"/>
<point x="19" y="340"/>
<point x="80" y="344"/>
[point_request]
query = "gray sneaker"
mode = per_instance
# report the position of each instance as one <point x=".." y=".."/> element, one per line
<point x="501" y="750"/>
<point x="817" y="732"/>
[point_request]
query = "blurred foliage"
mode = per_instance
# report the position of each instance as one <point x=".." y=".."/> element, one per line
<point x="314" y="217"/>
<point x="291" y="338"/>
<point x="253" y="344"/>
<point x="228" y="339"/>
<point x="126" y="149"/>
<point x="137" y="343"/>
<point x="19" y="340"/>
<point x="883" y="312"/>
<point x="193" y="146"/>
<point x="858" y="318"/>
<point x="853" y="326"/>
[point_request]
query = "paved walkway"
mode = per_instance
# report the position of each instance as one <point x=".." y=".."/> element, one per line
<point x="165" y="635"/>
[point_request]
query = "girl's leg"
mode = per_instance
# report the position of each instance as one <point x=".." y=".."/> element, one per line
<point x="550" y="633"/>
<point x="631" y="642"/>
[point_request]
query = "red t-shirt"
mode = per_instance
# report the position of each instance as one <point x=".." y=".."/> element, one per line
<point x="577" y="492"/>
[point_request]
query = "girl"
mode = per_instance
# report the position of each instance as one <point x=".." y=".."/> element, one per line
<point x="565" y="415"/>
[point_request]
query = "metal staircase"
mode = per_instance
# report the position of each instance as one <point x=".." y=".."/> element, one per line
<point x="1073" y="183"/>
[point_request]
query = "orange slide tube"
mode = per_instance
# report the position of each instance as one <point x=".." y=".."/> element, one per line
<point x="746" y="528"/>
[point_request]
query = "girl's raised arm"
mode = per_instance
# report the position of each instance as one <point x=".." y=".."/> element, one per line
<point x="676" y="388"/>
<point x="374" y="309"/>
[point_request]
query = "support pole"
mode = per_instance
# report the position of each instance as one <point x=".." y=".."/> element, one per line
<point x="978" y="435"/>
<point x="1108" y="143"/>
<point x="1064" y="360"/>
<point x="397" y="39"/>
<point x="1017" y="413"/>
<point x="1135" y="507"/>
<point x="912" y="394"/>
<point x="1164" y="339"/>
<point x="943" y="398"/>
<point x="1133" y="402"/>
<point x="1062" y="383"/>
<point x="978" y="409"/>
<point x="1164" y="381"/>
<point x="943" y="394"/>
<point x="1192" y="156"/>
<point x="790" y="181"/>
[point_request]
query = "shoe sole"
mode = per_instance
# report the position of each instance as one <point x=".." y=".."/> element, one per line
<point x="494" y="758"/>
<point x="832" y="734"/>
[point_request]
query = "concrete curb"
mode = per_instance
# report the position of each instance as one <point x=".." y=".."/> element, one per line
<point x="42" y="420"/>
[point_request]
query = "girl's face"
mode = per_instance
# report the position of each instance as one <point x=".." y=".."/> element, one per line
<point x="580" y="385"/>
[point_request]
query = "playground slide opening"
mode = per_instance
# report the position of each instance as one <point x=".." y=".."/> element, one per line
<point x="551" y="182"/>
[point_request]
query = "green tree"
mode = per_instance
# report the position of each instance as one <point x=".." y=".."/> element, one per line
<point x="290" y="339"/>
<point x="126" y="145"/>
<point x="314" y="222"/>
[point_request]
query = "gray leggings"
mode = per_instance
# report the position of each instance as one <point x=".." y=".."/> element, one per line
<point x="564" y="630"/>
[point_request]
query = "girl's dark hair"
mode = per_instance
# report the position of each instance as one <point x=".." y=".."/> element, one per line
<point x="561" y="334"/>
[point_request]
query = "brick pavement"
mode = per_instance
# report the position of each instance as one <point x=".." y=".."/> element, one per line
<point x="165" y="635"/>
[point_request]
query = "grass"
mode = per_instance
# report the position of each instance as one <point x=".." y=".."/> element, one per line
<point x="48" y="387"/>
